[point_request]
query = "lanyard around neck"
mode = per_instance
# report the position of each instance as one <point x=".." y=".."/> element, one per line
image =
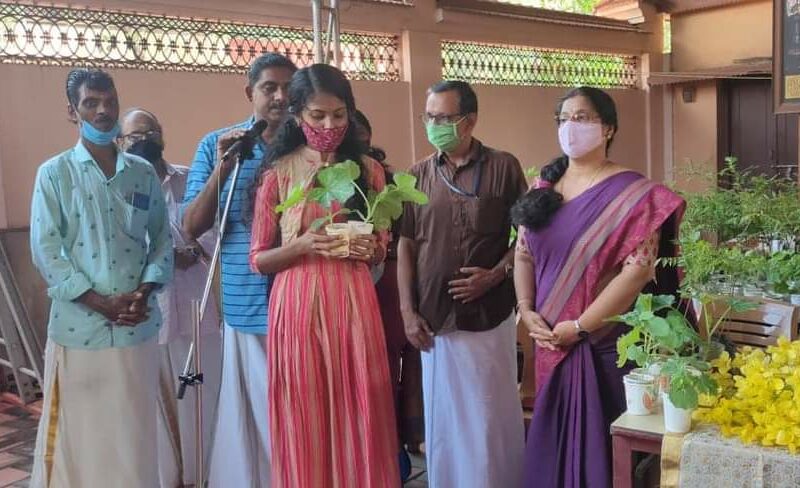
<point x="476" y="181"/>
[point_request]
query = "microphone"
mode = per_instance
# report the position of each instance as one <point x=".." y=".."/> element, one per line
<point x="248" y="138"/>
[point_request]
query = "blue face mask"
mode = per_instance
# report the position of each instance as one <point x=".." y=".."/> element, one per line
<point x="100" y="138"/>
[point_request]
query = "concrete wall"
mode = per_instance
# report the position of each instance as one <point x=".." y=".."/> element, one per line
<point x="695" y="136"/>
<point x="516" y="119"/>
<point x="34" y="126"/>
<point x="718" y="37"/>
<point x="520" y="120"/>
<point x="188" y="105"/>
<point x="708" y="39"/>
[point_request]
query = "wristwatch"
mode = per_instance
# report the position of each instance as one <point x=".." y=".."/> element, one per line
<point x="508" y="269"/>
<point x="582" y="333"/>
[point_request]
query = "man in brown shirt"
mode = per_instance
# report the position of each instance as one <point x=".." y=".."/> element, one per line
<point x="456" y="296"/>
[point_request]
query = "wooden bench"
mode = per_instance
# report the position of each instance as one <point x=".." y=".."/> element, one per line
<point x="759" y="327"/>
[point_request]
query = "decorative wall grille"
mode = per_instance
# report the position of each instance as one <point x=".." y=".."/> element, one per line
<point x="61" y="36"/>
<point x="499" y="64"/>
<point x="405" y="3"/>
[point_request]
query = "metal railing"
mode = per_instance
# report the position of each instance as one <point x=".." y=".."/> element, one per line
<point x="62" y="36"/>
<point x="500" y="64"/>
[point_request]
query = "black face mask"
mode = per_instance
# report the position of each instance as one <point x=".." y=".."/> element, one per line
<point x="147" y="149"/>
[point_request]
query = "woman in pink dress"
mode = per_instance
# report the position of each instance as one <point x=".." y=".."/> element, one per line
<point x="330" y="398"/>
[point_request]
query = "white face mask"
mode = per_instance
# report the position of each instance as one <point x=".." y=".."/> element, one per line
<point x="578" y="139"/>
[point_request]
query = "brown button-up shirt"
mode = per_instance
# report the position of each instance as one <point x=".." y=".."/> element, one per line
<point x="456" y="230"/>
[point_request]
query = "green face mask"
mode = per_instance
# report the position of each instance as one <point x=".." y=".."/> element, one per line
<point x="444" y="137"/>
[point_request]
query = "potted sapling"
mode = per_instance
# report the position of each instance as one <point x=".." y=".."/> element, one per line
<point x="337" y="183"/>
<point x="640" y="345"/>
<point x="386" y="206"/>
<point x="334" y="184"/>
<point x="682" y="354"/>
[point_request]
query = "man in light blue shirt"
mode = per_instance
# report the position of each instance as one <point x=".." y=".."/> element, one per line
<point x="100" y="237"/>
<point x="240" y="456"/>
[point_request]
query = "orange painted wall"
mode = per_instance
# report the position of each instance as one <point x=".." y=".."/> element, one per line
<point x="717" y="37"/>
<point x="518" y="119"/>
<point x="188" y="105"/>
<point x="695" y="136"/>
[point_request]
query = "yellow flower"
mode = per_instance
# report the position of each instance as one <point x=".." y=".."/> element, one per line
<point x="758" y="399"/>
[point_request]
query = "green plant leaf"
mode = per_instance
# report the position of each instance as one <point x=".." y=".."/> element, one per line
<point x="644" y="303"/>
<point x="387" y="206"/>
<point x="683" y="396"/>
<point x="336" y="184"/>
<point x="638" y="355"/>
<point x="531" y="172"/>
<point x="662" y="301"/>
<point x="295" y="196"/>
<point x="659" y="327"/>
<point x="624" y="343"/>
<point x="406" y="187"/>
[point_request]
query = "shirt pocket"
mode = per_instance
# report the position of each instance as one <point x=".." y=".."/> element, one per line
<point x="133" y="222"/>
<point x="488" y="215"/>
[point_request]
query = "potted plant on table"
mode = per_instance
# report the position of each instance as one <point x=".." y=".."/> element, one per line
<point x="661" y="335"/>
<point x="783" y="275"/>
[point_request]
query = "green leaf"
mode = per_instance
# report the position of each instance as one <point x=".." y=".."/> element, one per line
<point x="637" y="355"/>
<point x="624" y="343"/>
<point x="706" y="384"/>
<point x="644" y="303"/>
<point x="683" y="396"/>
<point x="295" y="196"/>
<point x="659" y="327"/>
<point x="387" y="206"/>
<point x="406" y="187"/>
<point x="352" y="168"/>
<point x="336" y="184"/>
<point x="662" y="301"/>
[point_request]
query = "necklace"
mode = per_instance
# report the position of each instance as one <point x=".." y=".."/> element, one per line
<point x="591" y="182"/>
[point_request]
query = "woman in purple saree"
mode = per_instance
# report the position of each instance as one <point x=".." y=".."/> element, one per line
<point x="591" y="231"/>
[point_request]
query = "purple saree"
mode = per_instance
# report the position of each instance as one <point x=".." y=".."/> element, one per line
<point x="580" y="390"/>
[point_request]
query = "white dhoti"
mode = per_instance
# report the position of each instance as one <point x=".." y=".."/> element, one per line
<point x="98" y="425"/>
<point x="240" y="457"/>
<point x="176" y="418"/>
<point x="474" y="432"/>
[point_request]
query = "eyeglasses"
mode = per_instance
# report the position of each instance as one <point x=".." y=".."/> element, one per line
<point x="442" y="119"/>
<point x="579" y="117"/>
<point x="135" y="137"/>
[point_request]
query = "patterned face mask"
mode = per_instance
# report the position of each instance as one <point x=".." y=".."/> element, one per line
<point x="324" y="140"/>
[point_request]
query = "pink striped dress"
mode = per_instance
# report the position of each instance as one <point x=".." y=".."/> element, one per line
<point x="331" y="412"/>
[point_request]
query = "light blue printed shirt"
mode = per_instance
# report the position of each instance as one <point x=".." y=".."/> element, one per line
<point x="109" y="235"/>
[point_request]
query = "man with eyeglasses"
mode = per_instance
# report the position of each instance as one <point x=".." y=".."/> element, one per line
<point x="141" y="134"/>
<point x="457" y="298"/>
<point x="241" y="444"/>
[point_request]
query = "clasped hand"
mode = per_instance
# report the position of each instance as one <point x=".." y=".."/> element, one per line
<point x="128" y="309"/>
<point x="476" y="283"/>
<point x="563" y="335"/>
<point x="362" y="247"/>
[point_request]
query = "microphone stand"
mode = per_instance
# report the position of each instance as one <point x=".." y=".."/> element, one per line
<point x="192" y="370"/>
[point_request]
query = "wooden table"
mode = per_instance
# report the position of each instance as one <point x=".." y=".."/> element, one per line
<point x="629" y="433"/>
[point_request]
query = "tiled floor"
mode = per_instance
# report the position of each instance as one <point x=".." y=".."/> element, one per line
<point x="419" y="477"/>
<point x="18" y="435"/>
